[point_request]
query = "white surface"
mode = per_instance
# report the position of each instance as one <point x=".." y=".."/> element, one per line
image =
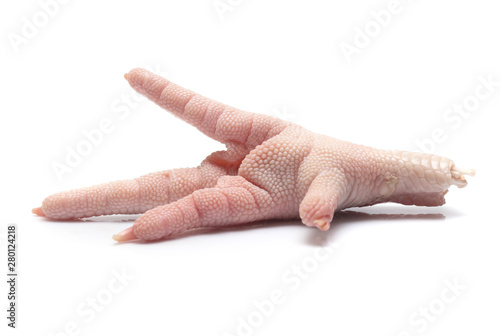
<point x="264" y="56"/>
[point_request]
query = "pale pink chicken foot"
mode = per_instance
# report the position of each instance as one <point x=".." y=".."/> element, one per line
<point x="272" y="169"/>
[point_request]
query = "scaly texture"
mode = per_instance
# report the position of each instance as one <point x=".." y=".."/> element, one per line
<point x="272" y="169"/>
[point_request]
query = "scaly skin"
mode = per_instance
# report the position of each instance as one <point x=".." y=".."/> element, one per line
<point x="272" y="169"/>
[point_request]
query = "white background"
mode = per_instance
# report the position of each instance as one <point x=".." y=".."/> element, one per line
<point x="281" y="58"/>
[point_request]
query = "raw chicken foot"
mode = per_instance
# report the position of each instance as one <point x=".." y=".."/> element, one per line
<point x="272" y="169"/>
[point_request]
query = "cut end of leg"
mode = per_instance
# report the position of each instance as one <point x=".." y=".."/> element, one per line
<point x="38" y="212"/>
<point x="125" y="235"/>
<point x="458" y="176"/>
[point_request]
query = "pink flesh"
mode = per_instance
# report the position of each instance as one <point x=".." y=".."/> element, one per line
<point x="272" y="169"/>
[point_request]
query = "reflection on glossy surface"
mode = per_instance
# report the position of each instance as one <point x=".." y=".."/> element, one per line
<point x="345" y="217"/>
